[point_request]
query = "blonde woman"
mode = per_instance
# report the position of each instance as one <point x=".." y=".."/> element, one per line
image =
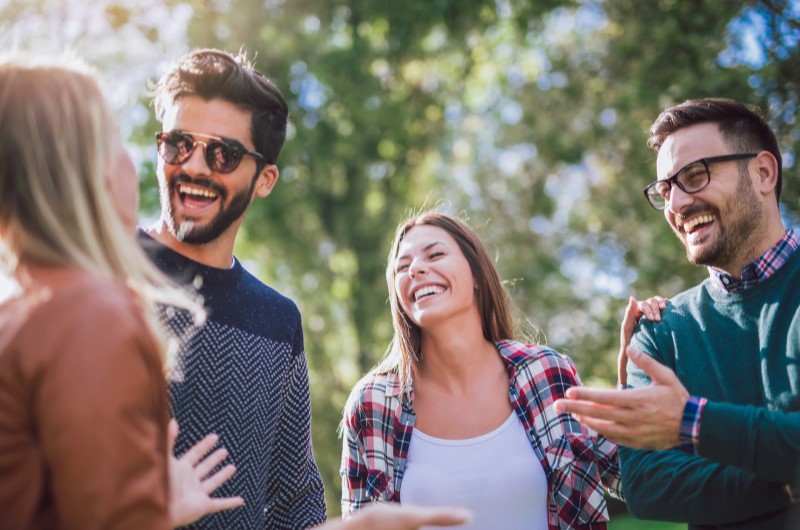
<point x="83" y="410"/>
<point x="461" y="414"/>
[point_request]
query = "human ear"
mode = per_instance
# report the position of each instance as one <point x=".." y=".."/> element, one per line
<point x="766" y="172"/>
<point x="267" y="180"/>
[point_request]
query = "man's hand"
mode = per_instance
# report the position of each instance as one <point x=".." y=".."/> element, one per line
<point x="649" y="309"/>
<point x="190" y="484"/>
<point x="644" y="418"/>
<point x="392" y="516"/>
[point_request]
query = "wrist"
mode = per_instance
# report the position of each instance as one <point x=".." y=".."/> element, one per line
<point x="689" y="441"/>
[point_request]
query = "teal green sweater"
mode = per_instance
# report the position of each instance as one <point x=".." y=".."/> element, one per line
<point x="742" y="352"/>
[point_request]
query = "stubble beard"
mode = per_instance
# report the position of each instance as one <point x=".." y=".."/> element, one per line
<point x="740" y="225"/>
<point x="189" y="232"/>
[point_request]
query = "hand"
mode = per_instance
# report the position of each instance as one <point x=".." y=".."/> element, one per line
<point x="190" y="484"/>
<point x="649" y="309"/>
<point x="644" y="418"/>
<point x="392" y="516"/>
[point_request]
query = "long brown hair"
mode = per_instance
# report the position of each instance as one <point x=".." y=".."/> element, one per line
<point x="494" y="306"/>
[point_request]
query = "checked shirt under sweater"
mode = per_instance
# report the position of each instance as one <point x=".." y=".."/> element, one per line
<point x="243" y="375"/>
<point x="379" y="420"/>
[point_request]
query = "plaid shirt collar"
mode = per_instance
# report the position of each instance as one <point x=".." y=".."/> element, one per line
<point x="759" y="270"/>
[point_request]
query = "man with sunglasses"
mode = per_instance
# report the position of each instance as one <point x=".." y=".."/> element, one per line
<point x="243" y="373"/>
<point x="711" y="428"/>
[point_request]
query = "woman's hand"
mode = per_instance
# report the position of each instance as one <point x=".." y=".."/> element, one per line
<point x="190" y="481"/>
<point x="649" y="309"/>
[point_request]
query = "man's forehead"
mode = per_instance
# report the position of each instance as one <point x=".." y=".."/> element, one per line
<point x="215" y="117"/>
<point x="687" y="145"/>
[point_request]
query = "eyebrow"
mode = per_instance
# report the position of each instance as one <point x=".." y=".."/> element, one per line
<point x="424" y="249"/>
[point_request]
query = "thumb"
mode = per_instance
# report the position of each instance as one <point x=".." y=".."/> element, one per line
<point x="657" y="371"/>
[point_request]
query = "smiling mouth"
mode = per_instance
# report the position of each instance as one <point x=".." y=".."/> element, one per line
<point x="697" y="222"/>
<point x="193" y="197"/>
<point x="424" y="292"/>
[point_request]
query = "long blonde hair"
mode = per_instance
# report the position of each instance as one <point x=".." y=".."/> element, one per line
<point x="57" y="145"/>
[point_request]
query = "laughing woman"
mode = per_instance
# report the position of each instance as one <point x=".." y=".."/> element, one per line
<point x="460" y="414"/>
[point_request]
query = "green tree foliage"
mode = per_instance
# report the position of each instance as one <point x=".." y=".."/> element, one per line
<point x="528" y="116"/>
<point x="531" y="117"/>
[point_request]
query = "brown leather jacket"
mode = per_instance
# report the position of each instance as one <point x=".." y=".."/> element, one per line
<point x="83" y="407"/>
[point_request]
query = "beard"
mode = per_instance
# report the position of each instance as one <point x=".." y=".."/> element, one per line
<point x="190" y="232"/>
<point x="740" y="226"/>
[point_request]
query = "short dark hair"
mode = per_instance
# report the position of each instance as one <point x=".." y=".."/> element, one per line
<point x="210" y="74"/>
<point x="743" y="127"/>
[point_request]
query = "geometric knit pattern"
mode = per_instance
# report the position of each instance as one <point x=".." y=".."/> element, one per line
<point x="243" y="375"/>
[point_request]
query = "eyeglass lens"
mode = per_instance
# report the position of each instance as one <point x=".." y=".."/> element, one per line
<point x="220" y="156"/>
<point x="691" y="179"/>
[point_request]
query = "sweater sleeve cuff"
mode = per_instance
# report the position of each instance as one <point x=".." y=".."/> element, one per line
<point x="690" y="424"/>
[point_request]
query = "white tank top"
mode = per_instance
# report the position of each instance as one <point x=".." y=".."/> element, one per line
<point x="496" y="476"/>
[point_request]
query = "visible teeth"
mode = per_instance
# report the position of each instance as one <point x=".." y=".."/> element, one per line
<point x="187" y="190"/>
<point x="700" y="219"/>
<point x="425" y="291"/>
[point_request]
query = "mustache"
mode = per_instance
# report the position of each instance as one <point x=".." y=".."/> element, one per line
<point x="694" y="210"/>
<point x="183" y="178"/>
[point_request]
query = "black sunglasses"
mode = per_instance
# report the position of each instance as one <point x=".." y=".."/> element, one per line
<point x="691" y="178"/>
<point x="222" y="155"/>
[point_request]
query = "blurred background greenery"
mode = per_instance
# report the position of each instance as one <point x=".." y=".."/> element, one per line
<point x="528" y="117"/>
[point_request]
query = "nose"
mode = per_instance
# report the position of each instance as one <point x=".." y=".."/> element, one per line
<point x="196" y="163"/>
<point x="416" y="267"/>
<point x="678" y="200"/>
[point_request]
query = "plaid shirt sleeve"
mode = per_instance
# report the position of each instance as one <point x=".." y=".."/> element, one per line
<point x="368" y="449"/>
<point x="353" y="469"/>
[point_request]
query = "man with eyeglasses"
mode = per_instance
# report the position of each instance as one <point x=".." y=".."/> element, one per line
<point x="710" y="431"/>
<point x="243" y="373"/>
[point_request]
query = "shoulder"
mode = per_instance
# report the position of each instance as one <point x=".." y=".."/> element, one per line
<point x="76" y="319"/>
<point x="73" y="296"/>
<point x="681" y="311"/>
<point x="266" y="295"/>
<point x="375" y="387"/>
<point x="521" y="354"/>
<point x="373" y="395"/>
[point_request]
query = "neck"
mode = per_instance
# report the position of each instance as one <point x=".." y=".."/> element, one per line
<point x="217" y="253"/>
<point x="454" y="357"/>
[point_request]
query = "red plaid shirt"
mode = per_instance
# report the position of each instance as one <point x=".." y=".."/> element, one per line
<point x="379" y="419"/>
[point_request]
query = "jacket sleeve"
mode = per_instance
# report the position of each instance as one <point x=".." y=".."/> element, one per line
<point x="756" y="440"/>
<point x="294" y="488"/>
<point x="100" y="408"/>
<point x="672" y="485"/>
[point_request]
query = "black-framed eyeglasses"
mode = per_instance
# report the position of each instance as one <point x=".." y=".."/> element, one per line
<point x="222" y="155"/>
<point x="691" y="178"/>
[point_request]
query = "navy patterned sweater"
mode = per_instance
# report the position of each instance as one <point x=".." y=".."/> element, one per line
<point x="243" y="375"/>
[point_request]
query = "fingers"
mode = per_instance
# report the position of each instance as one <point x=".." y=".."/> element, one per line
<point x="225" y="503"/>
<point x="213" y="482"/>
<point x="205" y="466"/>
<point x="592" y="409"/>
<point x="657" y="371"/>
<point x="652" y="307"/>
<point x="601" y="396"/>
<point x="442" y="516"/>
<point x="199" y="449"/>
<point x="172" y="435"/>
